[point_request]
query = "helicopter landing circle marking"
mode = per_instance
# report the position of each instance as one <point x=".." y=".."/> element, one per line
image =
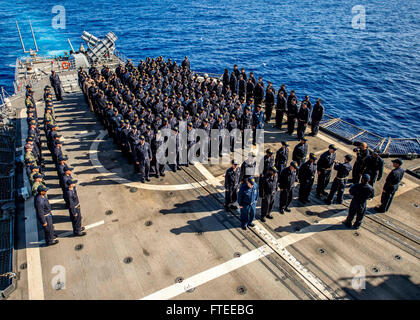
<point x="93" y="156"/>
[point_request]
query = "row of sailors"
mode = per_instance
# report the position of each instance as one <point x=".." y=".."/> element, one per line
<point x="35" y="164"/>
<point x="135" y="93"/>
<point x="277" y="175"/>
<point x="128" y="91"/>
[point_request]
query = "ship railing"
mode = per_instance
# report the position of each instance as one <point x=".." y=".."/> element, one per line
<point x="387" y="146"/>
<point x="7" y="209"/>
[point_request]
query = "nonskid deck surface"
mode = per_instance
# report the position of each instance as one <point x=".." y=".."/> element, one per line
<point x="172" y="239"/>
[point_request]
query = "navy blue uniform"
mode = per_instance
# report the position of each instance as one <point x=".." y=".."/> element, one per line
<point x="360" y="164"/>
<point x="158" y="168"/>
<point x="268" y="162"/>
<point x="257" y="123"/>
<point x="325" y="163"/>
<point x="56" y="84"/>
<point x="292" y="111"/>
<point x="247" y="199"/>
<point x="287" y="181"/>
<point x="374" y="168"/>
<point x="282" y="157"/>
<point x="303" y="119"/>
<point x="142" y="156"/>
<point x="281" y="109"/>
<point x="299" y="153"/>
<point x="391" y="186"/>
<point x="267" y="191"/>
<point x="74" y="210"/>
<point x="43" y="213"/>
<point x="306" y="179"/>
<point x="316" y="117"/>
<point x="65" y="187"/>
<point x="232" y="181"/>
<point x="360" y="192"/>
<point x="247" y="169"/>
<point x="339" y="183"/>
<point x="269" y="103"/>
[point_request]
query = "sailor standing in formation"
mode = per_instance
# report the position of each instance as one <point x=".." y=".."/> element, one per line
<point x="287" y="181"/>
<point x="247" y="200"/>
<point x="56" y="84"/>
<point x="306" y="176"/>
<point x="74" y="208"/>
<point x="44" y="215"/>
<point x="35" y="162"/>
<point x="158" y="94"/>
<point x="232" y="183"/>
<point x="267" y="190"/>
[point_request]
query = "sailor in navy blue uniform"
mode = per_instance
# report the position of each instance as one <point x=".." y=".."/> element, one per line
<point x="300" y="152"/>
<point x="292" y="111"/>
<point x="363" y="153"/>
<point x="248" y="167"/>
<point x="186" y="63"/>
<point x="316" y="117"/>
<point x="158" y="155"/>
<point x="65" y="179"/>
<point x="74" y="208"/>
<point x="232" y="125"/>
<point x="269" y="103"/>
<point x="306" y="177"/>
<point x="57" y="151"/>
<point x="257" y="123"/>
<point x="56" y="84"/>
<point x="325" y="163"/>
<point x="247" y="200"/>
<point x="287" y="181"/>
<point x="340" y="180"/>
<point x="267" y="190"/>
<point x="360" y="192"/>
<point x="282" y="156"/>
<point x="142" y="158"/>
<point x="281" y="108"/>
<point x="44" y="215"/>
<point x="232" y="183"/>
<point x="246" y="124"/>
<point x="303" y="119"/>
<point x="268" y="161"/>
<point x="374" y="167"/>
<point x="391" y="185"/>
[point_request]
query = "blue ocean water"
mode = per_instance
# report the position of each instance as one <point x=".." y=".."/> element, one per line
<point x="369" y="77"/>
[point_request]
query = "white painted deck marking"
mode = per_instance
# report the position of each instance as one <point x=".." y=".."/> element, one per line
<point x="69" y="233"/>
<point x="210" y="274"/>
<point x="317" y="286"/>
<point x="56" y="201"/>
<point x="279" y="245"/>
<point x="33" y="256"/>
<point x="93" y="155"/>
<point x="251" y="256"/>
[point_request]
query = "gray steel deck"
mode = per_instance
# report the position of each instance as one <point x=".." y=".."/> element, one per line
<point x="183" y="245"/>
